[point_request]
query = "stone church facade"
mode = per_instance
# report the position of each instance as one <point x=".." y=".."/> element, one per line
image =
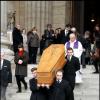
<point x="39" y="14"/>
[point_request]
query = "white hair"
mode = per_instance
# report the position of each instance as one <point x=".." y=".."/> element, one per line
<point x="73" y="29"/>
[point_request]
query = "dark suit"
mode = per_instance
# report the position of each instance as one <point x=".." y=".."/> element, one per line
<point x="5" y="77"/>
<point x="37" y="93"/>
<point x="60" y="91"/>
<point x="70" y="69"/>
<point x="48" y="37"/>
<point x="17" y="39"/>
<point x="64" y="38"/>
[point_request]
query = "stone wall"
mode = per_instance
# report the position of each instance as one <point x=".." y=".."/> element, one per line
<point x="62" y="13"/>
<point x="3" y="16"/>
<point x="40" y="13"/>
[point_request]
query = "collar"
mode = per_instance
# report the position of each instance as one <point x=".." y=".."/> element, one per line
<point x="2" y="61"/>
<point x="59" y="81"/>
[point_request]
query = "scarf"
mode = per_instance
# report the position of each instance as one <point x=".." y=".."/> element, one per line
<point x="20" y="53"/>
<point x="75" y="45"/>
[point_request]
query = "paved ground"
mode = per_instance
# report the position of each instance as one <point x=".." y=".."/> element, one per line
<point x="88" y="90"/>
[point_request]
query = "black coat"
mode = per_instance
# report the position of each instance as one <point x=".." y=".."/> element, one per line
<point x="6" y="73"/>
<point x="48" y="37"/>
<point x="37" y="93"/>
<point x="61" y="91"/>
<point x="97" y="38"/>
<point x="17" y="38"/>
<point x="82" y="40"/>
<point x="64" y="38"/>
<point x="21" y="69"/>
<point x="58" y="39"/>
<point x="70" y="69"/>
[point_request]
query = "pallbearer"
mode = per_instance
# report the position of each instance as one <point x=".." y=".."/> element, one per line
<point x="77" y="52"/>
<point x="38" y="92"/>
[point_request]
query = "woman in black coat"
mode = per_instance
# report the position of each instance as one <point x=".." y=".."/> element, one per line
<point x="21" y="61"/>
<point x="38" y="93"/>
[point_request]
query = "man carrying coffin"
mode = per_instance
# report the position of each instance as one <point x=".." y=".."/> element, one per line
<point x="77" y="52"/>
<point x="70" y="69"/>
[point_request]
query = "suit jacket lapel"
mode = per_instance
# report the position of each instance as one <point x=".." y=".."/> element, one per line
<point x="71" y="58"/>
<point x="3" y="64"/>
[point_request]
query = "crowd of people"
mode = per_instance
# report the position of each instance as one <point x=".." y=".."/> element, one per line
<point x="32" y="42"/>
<point x="78" y="52"/>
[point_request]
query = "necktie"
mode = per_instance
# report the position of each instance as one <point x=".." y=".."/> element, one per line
<point x="68" y="57"/>
<point x="58" y="81"/>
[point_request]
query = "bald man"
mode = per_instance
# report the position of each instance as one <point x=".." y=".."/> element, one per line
<point x="5" y="75"/>
<point x="75" y="45"/>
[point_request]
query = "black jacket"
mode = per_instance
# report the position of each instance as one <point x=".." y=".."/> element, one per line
<point x="17" y="37"/>
<point x="70" y="69"/>
<point x="37" y="93"/>
<point x="5" y="73"/>
<point x="21" y="69"/>
<point x="64" y="38"/>
<point x="60" y="91"/>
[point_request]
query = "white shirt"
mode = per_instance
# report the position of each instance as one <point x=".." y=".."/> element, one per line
<point x="25" y="41"/>
<point x="59" y="81"/>
<point x="77" y="52"/>
<point x="66" y="32"/>
<point x="1" y="63"/>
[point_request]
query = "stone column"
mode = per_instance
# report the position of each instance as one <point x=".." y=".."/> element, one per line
<point x="4" y="17"/>
<point x="59" y="14"/>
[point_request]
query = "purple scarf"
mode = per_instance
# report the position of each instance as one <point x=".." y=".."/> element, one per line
<point x="75" y="45"/>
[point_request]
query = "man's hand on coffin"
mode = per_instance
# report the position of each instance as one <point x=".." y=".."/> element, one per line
<point x="47" y="86"/>
<point x="38" y="85"/>
<point x="43" y="85"/>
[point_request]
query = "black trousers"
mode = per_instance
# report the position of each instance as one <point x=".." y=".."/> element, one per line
<point x="19" y="79"/>
<point x="33" y="54"/>
<point x="3" y="92"/>
<point x="71" y="80"/>
<point x="83" y="59"/>
<point x="96" y="64"/>
<point x="15" y="48"/>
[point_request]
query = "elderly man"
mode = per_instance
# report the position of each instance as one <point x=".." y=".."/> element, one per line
<point x="17" y="38"/>
<point x="75" y="45"/>
<point x="5" y="75"/>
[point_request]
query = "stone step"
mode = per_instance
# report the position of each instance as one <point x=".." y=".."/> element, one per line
<point x="91" y="97"/>
<point x="88" y="90"/>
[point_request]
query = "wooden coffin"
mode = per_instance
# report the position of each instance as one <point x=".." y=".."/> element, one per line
<point x="53" y="58"/>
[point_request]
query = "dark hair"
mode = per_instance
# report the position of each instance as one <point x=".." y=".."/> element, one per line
<point x="33" y="69"/>
<point x="69" y="49"/>
<point x="20" y="46"/>
<point x="68" y="25"/>
<point x="49" y="25"/>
